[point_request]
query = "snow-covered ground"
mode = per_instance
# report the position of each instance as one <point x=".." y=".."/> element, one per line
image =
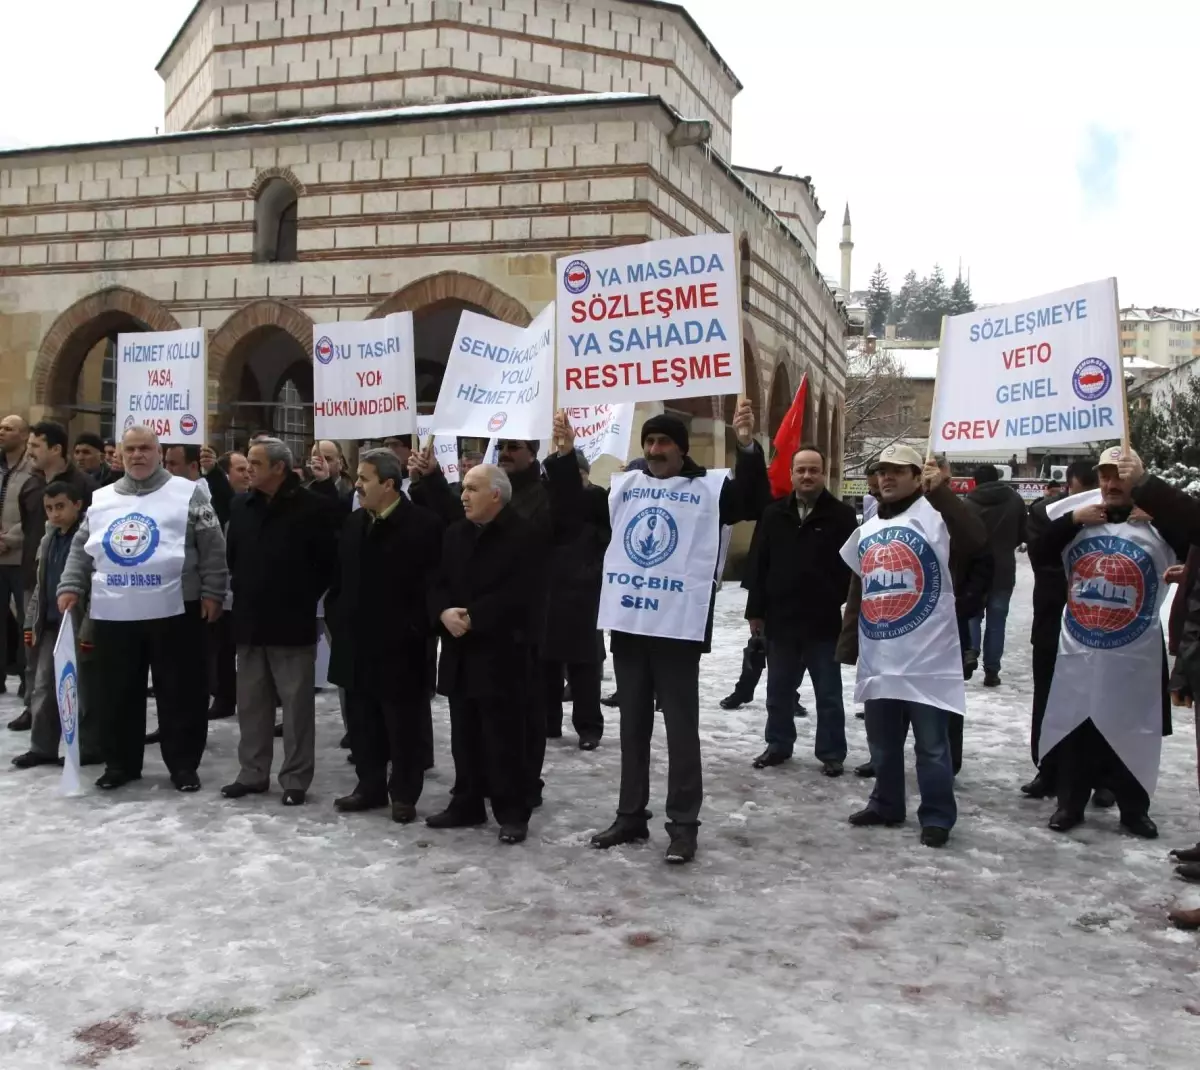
<point x="188" y="931"/>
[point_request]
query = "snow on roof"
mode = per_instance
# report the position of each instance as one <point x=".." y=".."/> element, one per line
<point x="399" y="114"/>
<point x="1157" y="313"/>
<point x="1141" y="364"/>
<point x="917" y="363"/>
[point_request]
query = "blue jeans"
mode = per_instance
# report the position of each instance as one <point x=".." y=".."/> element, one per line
<point x="887" y="729"/>
<point x="787" y="660"/>
<point x="993" y="639"/>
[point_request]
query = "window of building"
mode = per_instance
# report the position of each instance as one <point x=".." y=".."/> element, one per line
<point x="292" y="419"/>
<point x="276" y="222"/>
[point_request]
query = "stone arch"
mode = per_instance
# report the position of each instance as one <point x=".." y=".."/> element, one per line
<point x="231" y="344"/>
<point x="779" y="398"/>
<point x="723" y="407"/>
<point x="454" y="286"/>
<point x="77" y="330"/>
<point x="268" y="173"/>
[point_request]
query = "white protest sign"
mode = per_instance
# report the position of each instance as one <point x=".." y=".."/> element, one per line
<point x="445" y="448"/>
<point x="499" y="379"/>
<point x="66" y="683"/>
<point x="650" y="322"/>
<point x="491" y="452"/>
<point x="364" y="378"/>
<point x="162" y="382"/>
<point x="602" y="429"/>
<point x="1041" y="372"/>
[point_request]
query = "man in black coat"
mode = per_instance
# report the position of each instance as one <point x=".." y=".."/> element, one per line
<point x="1049" y="600"/>
<point x="569" y="643"/>
<point x="281" y="549"/>
<point x="1003" y="512"/>
<point x="797" y="589"/>
<point x="485" y="600"/>
<point x="377" y="610"/>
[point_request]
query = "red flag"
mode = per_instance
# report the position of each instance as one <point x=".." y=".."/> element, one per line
<point x="787" y="439"/>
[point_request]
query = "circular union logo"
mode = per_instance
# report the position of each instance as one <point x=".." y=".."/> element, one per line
<point x="497" y="421"/>
<point x="68" y="703"/>
<point x="1091" y="379"/>
<point x="1111" y="592"/>
<point x="651" y="537"/>
<point x="901" y="582"/>
<point x="577" y="277"/>
<point x="128" y="422"/>
<point x="188" y="424"/>
<point x="131" y="540"/>
<point x="324" y="349"/>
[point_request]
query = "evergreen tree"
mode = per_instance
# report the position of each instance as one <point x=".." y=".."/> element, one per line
<point x="879" y="301"/>
<point x="932" y="303"/>
<point x="904" y="303"/>
<point x="960" y="297"/>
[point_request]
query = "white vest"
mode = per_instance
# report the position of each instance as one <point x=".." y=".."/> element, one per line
<point x="1110" y="648"/>
<point x="908" y="644"/>
<point x="137" y="544"/>
<point x="661" y="562"/>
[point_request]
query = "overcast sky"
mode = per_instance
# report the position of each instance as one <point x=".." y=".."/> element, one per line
<point x="1043" y="142"/>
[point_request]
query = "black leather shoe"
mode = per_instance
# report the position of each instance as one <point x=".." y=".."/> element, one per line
<point x="153" y="737"/>
<point x="612" y="701"/>
<point x="451" y="818"/>
<point x="512" y="834"/>
<point x="1140" y="825"/>
<point x="1065" y="820"/>
<point x="589" y="742"/>
<point x="187" y="781"/>
<point x="970" y="663"/>
<point x="868" y="818"/>
<point x="1038" y="788"/>
<point x="238" y="790"/>
<point x="799" y="711"/>
<point x="933" y="836"/>
<point x="31" y="760"/>
<point x="682" y="848"/>
<point x="356" y="802"/>
<point x="833" y="769"/>
<point x="1189" y="872"/>
<point x="219" y="713"/>
<point x="23" y="722"/>
<point x="116" y="778"/>
<point x="621" y="831"/>
<point x="279" y="730"/>
<point x="733" y="702"/>
<point x="1187" y="854"/>
<point x="866" y="770"/>
<point x="769" y="758"/>
<point x="404" y="813"/>
<point x="991" y="678"/>
<point x="1103" y="799"/>
<point x="294" y="797"/>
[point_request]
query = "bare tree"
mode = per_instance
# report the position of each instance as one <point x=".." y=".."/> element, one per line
<point x="874" y="419"/>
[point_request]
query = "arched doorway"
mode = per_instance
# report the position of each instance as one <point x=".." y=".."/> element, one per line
<point x="823" y="425"/>
<point x="781" y="397"/>
<point x="753" y="391"/>
<point x="74" y="377"/>
<point x="261" y="358"/>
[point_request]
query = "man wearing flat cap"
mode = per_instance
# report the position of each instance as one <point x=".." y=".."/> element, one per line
<point x="657" y="599"/>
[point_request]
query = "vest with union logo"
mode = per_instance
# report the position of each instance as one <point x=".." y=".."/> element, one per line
<point x="137" y="544"/>
<point x="908" y="645"/>
<point x="1110" y="647"/>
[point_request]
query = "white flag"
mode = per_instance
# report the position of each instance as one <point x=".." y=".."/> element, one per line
<point x="66" y="678"/>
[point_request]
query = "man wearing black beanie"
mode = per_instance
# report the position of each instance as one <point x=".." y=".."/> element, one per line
<point x="657" y="600"/>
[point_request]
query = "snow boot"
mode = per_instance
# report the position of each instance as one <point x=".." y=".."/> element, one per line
<point x="682" y="848"/>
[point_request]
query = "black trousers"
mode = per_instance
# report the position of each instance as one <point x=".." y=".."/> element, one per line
<point x="1044" y="658"/>
<point x="670" y="669"/>
<point x="222" y="663"/>
<point x="1085" y="761"/>
<point x="174" y="648"/>
<point x="754" y="664"/>
<point x="584" y="680"/>
<point x="488" y="742"/>
<point x="394" y="729"/>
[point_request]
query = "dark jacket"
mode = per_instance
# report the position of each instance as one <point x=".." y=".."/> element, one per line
<point x="221" y="491"/>
<point x="579" y="534"/>
<point x="281" y="558"/>
<point x="33" y="514"/>
<point x="1049" y="580"/>
<point x="796" y="577"/>
<point x="491" y="571"/>
<point x="530" y="496"/>
<point x="377" y="608"/>
<point x="968" y="539"/>
<point x="1003" y="512"/>
<point x="742" y="498"/>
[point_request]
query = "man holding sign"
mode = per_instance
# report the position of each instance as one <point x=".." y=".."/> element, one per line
<point x="657" y="599"/>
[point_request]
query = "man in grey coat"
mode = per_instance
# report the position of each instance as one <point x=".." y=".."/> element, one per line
<point x="151" y="552"/>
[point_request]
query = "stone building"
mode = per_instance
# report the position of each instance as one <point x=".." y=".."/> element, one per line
<point x="341" y="159"/>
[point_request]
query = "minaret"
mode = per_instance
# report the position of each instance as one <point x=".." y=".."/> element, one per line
<point x="847" y="247"/>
